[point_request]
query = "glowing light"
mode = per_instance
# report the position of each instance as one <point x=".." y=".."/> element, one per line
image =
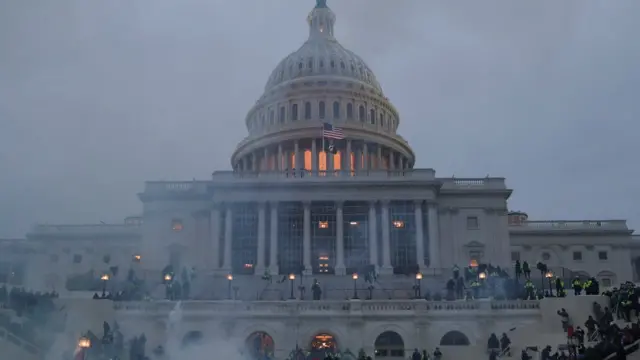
<point x="418" y="276"/>
<point x="354" y="276"/>
<point x="482" y="275"/>
<point x="167" y="277"/>
<point x="229" y="277"/>
<point x="84" y="342"/>
<point x="105" y="277"/>
<point x="137" y="258"/>
<point x="548" y="275"/>
<point x="292" y="276"/>
<point x="473" y="263"/>
<point x="323" y="224"/>
<point x="398" y="224"/>
<point x="354" y="223"/>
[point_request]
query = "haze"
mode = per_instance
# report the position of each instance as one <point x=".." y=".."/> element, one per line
<point x="98" y="96"/>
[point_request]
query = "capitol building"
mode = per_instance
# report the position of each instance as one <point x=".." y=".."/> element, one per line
<point x="323" y="187"/>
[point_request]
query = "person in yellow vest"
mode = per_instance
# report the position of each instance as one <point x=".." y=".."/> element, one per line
<point x="475" y="288"/>
<point x="530" y="290"/>
<point x="577" y="286"/>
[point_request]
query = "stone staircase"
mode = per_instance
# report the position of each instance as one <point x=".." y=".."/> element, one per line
<point x="16" y="348"/>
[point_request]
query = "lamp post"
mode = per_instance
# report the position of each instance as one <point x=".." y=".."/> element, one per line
<point x="549" y="276"/>
<point x="137" y="258"/>
<point x="473" y="264"/>
<point x="167" y="283"/>
<point x="355" y="285"/>
<point x="418" y="291"/>
<point x="84" y="343"/>
<point x="292" y="278"/>
<point x="230" y="279"/>
<point x="104" y="278"/>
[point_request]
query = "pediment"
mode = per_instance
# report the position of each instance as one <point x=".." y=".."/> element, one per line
<point x="474" y="244"/>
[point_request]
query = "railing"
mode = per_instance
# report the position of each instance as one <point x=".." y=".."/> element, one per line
<point x="572" y="224"/>
<point x="234" y="177"/>
<point x="325" y="308"/>
<point x="27" y="346"/>
<point x="81" y="229"/>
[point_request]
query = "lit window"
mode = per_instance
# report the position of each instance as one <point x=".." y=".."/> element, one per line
<point x="602" y="255"/>
<point x="248" y="266"/>
<point x="577" y="255"/>
<point x="353" y="223"/>
<point x="324" y="258"/>
<point x="398" y="224"/>
<point x="176" y="225"/>
<point x="472" y="222"/>
<point x="323" y="224"/>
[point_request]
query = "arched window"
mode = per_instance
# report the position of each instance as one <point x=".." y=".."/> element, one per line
<point x="310" y="63"/>
<point x="332" y="64"/>
<point x="321" y="110"/>
<point x="389" y="344"/>
<point x="342" y="66"/>
<point x="372" y="116"/>
<point x="324" y="342"/>
<point x="454" y="338"/>
<point x="307" y="111"/>
<point x="294" y="112"/>
<point x="281" y="114"/>
<point x="300" y="66"/>
<point x="382" y="119"/>
<point x="336" y="110"/>
<point x="321" y="64"/>
<point x="349" y="111"/>
<point x="260" y="344"/>
<point x="361" y="113"/>
<point x="272" y="116"/>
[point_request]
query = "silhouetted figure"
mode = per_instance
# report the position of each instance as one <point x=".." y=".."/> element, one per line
<point x="316" y="290"/>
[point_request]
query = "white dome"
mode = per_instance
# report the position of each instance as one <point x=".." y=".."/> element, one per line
<point x="322" y="55"/>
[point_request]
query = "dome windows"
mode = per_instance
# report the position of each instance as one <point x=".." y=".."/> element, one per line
<point x="382" y="119"/>
<point x="281" y="114"/>
<point x="336" y="110"/>
<point x="300" y="66"/>
<point x="272" y="117"/>
<point x="361" y="113"/>
<point x="310" y="64"/>
<point x="294" y="112"/>
<point x="342" y="65"/>
<point x="321" y="109"/>
<point x="349" y="111"/>
<point x="372" y="116"/>
<point x="307" y="111"/>
<point x="332" y="64"/>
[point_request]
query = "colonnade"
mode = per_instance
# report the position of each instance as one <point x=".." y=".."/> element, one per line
<point x="384" y="265"/>
<point x="308" y="154"/>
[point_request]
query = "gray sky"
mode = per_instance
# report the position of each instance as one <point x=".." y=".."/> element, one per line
<point x="98" y="96"/>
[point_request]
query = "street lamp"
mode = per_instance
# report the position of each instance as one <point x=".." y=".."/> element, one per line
<point x="84" y="343"/>
<point x="104" y="278"/>
<point x="355" y="285"/>
<point x="230" y="279"/>
<point x="292" y="278"/>
<point x="549" y="276"/>
<point x="168" y="278"/>
<point x="482" y="275"/>
<point x="137" y="258"/>
<point x="418" y="291"/>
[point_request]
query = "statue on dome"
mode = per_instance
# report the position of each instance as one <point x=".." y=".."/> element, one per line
<point x="321" y="4"/>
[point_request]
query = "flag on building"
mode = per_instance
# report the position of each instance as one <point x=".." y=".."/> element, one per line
<point x="331" y="132"/>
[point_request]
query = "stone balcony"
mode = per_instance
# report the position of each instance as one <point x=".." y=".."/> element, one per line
<point x="398" y="177"/>
<point x="348" y="308"/>
<point x="568" y="226"/>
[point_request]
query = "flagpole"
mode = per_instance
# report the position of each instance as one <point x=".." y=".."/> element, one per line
<point x="323" y="139"/>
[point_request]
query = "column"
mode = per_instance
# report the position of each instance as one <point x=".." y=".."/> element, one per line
<point x="373" y="235"/>
<point x="419" y="235"/>
<point x="273" y="239"/>
<point x="330" y="167"/>
<point x="214" y="232"/>
<point x="296" y="157"/>
<point x="260" y="261"/>
<point x="386" y="241"/>
<point x="314" y="157"/>
<point x="241" y="165"/>
<point x="434" y="236"/>
<point x="228" y="232"/>
<point x="347" y="162"/>
<point x="357" y="155"/>
<point x="391" y="160"/>
<point x="306" y="239"/>
<point x="265" y="167"/>
<point x="365" y="157"/>
<point x="279" y="158"/>
<point x="380" y="157"/>
<point x="340" y="266"/>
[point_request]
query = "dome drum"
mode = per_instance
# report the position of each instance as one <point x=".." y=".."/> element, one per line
<point x="307" y="153"/>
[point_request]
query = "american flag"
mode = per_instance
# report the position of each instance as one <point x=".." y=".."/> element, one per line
<point x="331" y="132"/>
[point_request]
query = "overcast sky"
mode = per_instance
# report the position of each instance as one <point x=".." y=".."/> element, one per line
<point x="98" y="96"/>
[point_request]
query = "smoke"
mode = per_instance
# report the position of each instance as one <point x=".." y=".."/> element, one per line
<point x="228" y="349"/>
